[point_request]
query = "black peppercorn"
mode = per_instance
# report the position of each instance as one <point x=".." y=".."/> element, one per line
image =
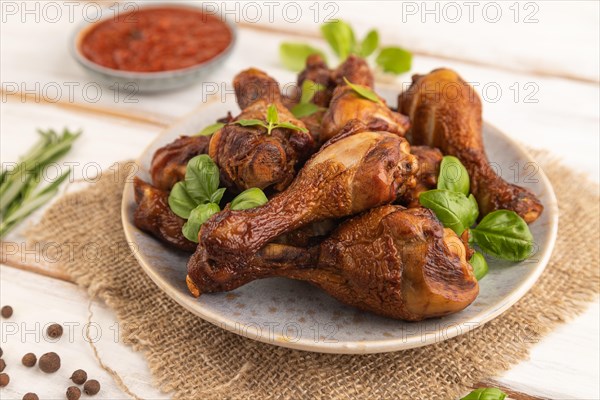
<point x="73" y="393"/>
<point x="29" y="360"/>
<point x="7" y="312"/>
<point x="31" y="396"/>
<point x="2" y="365"/>
<point x="1" y="352"/>
<point x="91" y="387"/>
<point x="49" y="363"/>
<point x="79" y="377"/>
<point x="4" y="379"/>
<point x="54" y="331"/>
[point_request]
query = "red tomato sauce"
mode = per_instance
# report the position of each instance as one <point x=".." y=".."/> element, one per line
<point x="156" y="39"/>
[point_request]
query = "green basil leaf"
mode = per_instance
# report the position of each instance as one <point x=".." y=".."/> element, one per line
<point x="453" y="176"/>
<point x="305" y="109"/>
<point x="210" y="129"/>
<point x="369" y="43"/>
<point x="217" y="196"/>
<point x="474" y="211"/>
<point x="479" y="264"/>
<point x="363" y="91"/>
<point x="198" y="216"/>
<point x="249" y="198"/>
<point x="394" y="60"/>
<point x="340" y="37"/>
<point x="453" y="209"/>
<point x="309" y="88"/>
<point x="505" y="235"/>
<point x="180" y="201"/>
<point x="272" y="114"/>
<point x="251" y="122"/>
<point x="201" y="178"/>
<point x="485" y="394"/>
<point x="293" y="55"/>
<point x="289" y="125"/>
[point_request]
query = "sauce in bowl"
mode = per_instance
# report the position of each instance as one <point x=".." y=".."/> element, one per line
<point x="156" y="39"/>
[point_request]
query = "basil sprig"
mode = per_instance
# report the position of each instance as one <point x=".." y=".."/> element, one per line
<point x="453" y="176"/>
<point x="210" y="129"/>
<point x="502" y="233"/>
<point x="197" y="197"/>
<point x="455" y="210"/>
<point x="363" y="91"/>
<point x="343" y="42"/>
<point x="305" y="107"/>
<point x="271" y="123"/>
<point x="485" y="394"/>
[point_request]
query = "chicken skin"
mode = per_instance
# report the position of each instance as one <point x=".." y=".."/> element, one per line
<point x="357" y="170"/>
<point x="154" y="216"/>
<point x="249" y="157"/>
<point x="347" y="105"/>
<point x="396" y="262"/>
<point x="170" y="162"/>
<point x="429" y="160"/>
<point x="445" y="112"/>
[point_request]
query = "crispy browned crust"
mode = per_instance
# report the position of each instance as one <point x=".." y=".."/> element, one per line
<point x="445" y="112"/>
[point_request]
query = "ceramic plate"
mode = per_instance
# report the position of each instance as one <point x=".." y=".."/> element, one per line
<point x="295" y="314"/>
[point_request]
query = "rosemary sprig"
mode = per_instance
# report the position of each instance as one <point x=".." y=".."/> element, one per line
<point x="20" y="190"/>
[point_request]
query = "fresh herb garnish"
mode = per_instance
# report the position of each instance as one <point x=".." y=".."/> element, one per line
<point x="455" y="210"/>
<point x="197" y="197"/>
<point x="485" y="394"/>
<point x="363" y="91"/>
<point x="479" y="264"/>
<point x="20" y="191"/>
<point x="210" y="129"/>
<point x="342" y="41"/>
<point x="305" y="108"/>
<point x="271" y="123"/>
<point x="293" y="55"/>
<point x="505" y="235"/>
<point x="249" y="198"/>
<point x="394" y="60"/>
<point x="453" y="176"/>
<point x="502" y="233"/>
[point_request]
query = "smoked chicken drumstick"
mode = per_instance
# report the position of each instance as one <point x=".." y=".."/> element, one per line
<point x="445" y="112"/>
<point x="396" y="262"/>
<point x="357" y="170"/>
<point x="249" y="157"/>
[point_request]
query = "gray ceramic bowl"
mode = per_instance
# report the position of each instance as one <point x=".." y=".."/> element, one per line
<point x="147" y="81"/>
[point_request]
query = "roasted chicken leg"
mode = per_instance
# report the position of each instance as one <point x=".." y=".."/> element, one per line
<point x="249" y="157"/>
<point x="396" y="262"/>
<point x="154" y="216"/>
<point x="357" y="170"/>
<point x="346" y="104"/>
<point x="445" y="112"/>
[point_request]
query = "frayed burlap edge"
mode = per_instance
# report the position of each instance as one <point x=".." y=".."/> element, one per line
<point x="193" y="359"/>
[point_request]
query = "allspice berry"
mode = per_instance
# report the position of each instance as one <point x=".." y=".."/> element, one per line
<point x="49" y="362"/>
<point x="91" y="387"/>
<point x="2" y="365"/>
<point x="4" y="379"/>
<point x="73" y="393"/>
<point x="79" y="377"/>
<point x="7" y="312"/>
<point x="31" y="396"/>
<point x="29" y="360"/>
<point x="54" y="331"/>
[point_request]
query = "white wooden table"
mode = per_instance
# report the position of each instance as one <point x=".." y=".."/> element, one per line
<point x="548" y="50"/>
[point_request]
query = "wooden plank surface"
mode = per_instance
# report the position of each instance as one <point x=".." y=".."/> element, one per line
<point x="557" y="111"/>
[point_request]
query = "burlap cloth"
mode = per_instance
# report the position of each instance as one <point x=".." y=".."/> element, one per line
<point x="193" y="359"/>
